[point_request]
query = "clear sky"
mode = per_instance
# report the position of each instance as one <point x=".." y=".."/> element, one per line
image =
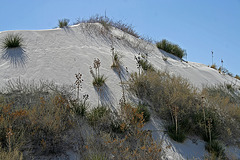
<point x="199" y="26"/>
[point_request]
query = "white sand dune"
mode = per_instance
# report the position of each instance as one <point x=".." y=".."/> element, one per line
<point x="57" y="54"/>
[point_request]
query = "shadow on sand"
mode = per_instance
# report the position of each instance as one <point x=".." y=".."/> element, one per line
<point x="106" y="96"/>
<point x="16" y="56"/>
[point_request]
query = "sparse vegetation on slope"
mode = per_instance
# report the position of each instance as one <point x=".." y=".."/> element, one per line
<point x="12" y="41"/>
<point x="41" y="116"/>
<point x="214" y="117"/>
<point x="107" y="23"/>
<point x="171" y="48"/>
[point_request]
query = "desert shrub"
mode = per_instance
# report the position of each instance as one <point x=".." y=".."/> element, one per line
<point x="96" y="114"/>
<point x="12" y="41"/>
<point x="214" y="66"/>
<point x="171" y="48"/>
<point x="180" y="105"/>
<point x="224" y="104"/>
<point x="107" y="23"/>
<point x="63" y="23"/>
<point x="145" y="65"/>
<point x="80" y="108"/>
<point x="237" y="77"/>
<point x="133" y="143"/>
<point x="99" y="81"/>
<point x="116" y="59"/>
<point x="143" y="109"/>
<point x="179" y="137"/>
<point x="34" y="117"/>
<point x="216" y="149"/>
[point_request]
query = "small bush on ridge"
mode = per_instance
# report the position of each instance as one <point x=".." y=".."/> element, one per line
<point x="63" y="23"/>
<point x="214" y="66"/>
<point x="107" y="22"/>
<point x="12" y="41"/>
<point x="171" y="48"/>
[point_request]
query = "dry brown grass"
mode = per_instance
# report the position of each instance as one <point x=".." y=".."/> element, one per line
<point x="133" y="143"/>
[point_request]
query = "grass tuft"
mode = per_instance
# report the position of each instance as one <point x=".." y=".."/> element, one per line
<point x="63" y="23"/>
<point x="12" y="41"/>
<point x="99" y="81"/>
<point x="216" y="149"/>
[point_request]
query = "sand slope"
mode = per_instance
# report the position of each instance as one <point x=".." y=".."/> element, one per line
<point x="58" y="54"/>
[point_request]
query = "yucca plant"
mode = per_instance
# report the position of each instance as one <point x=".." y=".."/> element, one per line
<point x="63" y="23"/>
<point x="99" y="81"/>
<point x="12" y="41"/>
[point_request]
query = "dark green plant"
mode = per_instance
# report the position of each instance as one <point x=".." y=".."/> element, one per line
<point x="179" y="137"/>
<point x="116" y="58"/>
<point x="171" y="48"/>
<point x="145" y="65"/>
<point x="216" y="149"/>
<point x="143" y="109"/>
<point x="63" y="23"/>
<point x="99" y="81"/>
<point x="12" y="41"/>
<point x="96" y="114"/>
<point x="80" y="107"/>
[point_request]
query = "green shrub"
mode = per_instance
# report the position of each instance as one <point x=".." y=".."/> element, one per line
<point x="216" y="149"/>
<point x="171" y="48"/>
<point x="179" y="137"/>
<point x="63" y="23"/>
<point x="96" y="114"/>
<point x="12" y="41"/>
<point x="80" y="108"/>
<point x="143" y="109"/>
<point x="116" y="58"/>
<point x="145" y="65"/>
<point x="99" y="81"/>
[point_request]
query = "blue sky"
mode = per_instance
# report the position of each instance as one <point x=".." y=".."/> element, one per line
<point x="199" y="26"/>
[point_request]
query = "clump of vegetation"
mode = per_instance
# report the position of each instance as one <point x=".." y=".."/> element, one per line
<point x="164" y="58"/>
<point x="171" y="48"/>
<point x="133" y="143"/>
<point x="214" y="66"/>
<point x="97" y="113"/>
<point x="176" y="136"/>
<point x="116" y="59"/>
<point x="237" y="77"/>
<point x="142" y="64"/>
<point x="12" y="41"/>
<point x="35" y="116"/>
<point x="143" y="109"/>
<point x="216" y="149"/>
<point x="107" y="23"/>
<point x="80" y="107"/>
<point x="63" y="23"/>
<point x="214" y="117"/>
<point x="98" y="80"/>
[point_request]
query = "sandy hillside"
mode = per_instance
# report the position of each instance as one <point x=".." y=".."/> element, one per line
<point x="58" y="54"/>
